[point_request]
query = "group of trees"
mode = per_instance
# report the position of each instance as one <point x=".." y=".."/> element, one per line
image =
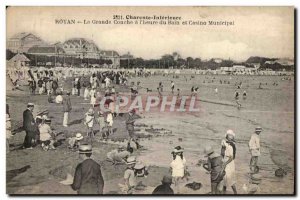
<point x="174" y="60"/>
<point x="266" y="65"/>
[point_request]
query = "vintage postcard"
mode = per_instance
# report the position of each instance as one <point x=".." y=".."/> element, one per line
<point x="150" y="101"/>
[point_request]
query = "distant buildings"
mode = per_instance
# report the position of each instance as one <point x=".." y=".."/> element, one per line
<point x="21" y="42"/>
<point x="238" y="69"/>
<point x="217" y="60"/>
<point x="111" y="55"/>
<point x="48" y="50"/>
<point x="75" y="47"/>
<point x="81" y="48"/>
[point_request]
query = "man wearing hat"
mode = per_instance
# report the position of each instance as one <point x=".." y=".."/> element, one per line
<point x="254" y="147"/>
<point x="67" y="107"/>
<point x="165" y="187"/>
<point x="88" y="176"/>
<point x="215" y="166"/>
<point x="29" y="126"/>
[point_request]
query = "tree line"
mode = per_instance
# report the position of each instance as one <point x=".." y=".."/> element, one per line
<point x="166" y="61"/>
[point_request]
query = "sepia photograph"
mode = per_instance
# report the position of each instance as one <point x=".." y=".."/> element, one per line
<point x="123" y="100"/>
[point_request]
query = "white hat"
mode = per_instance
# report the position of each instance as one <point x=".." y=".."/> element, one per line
<point x="230" y="132"/>
<point x="208" y="150"/>
<point x="85" y="148"/>
<point x="78" y="136"/>
<point x="91" y="111"/>
<point x="258" y="129"/>
<point x="131" y="160"/>
<point x="30" y="104"/>
<point x="139" y="165"/>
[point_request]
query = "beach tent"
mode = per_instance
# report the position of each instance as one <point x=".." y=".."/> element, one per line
<point x="19" y="60"/>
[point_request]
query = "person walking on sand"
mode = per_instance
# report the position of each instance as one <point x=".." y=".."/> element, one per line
<point x="29" y="126"/>
<point x="88" y="177"/>
<point x="254" y="147"/>
<point x="130" y="128"/>
<point x="78" y="86"/>
<point x="216" y="90"/>
<point x="228" y="152"/>
<point x="244" y="94"/>
<point x="89" y="122"/>
<point x="214" y="165"/>
<point x="110" y="121"/>
<point x="172" y="86"/>
<point x="67" y="107"/>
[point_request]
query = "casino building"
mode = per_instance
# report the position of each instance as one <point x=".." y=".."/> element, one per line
<point x="75" y="47"/>
<point x="81" y="48"/>
<point x="21" y="42"/>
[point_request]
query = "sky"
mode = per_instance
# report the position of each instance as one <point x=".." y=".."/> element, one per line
<point x="257" y="31"/>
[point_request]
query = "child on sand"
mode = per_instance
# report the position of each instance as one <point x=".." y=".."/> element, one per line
<point x="74" y="142"/>
<point x="110" y="121"/>
<point x="178" y="166"/>
<point x="129" y="176"/>
<point x="253" y="186"/>
<point x="47" y="136"/>
<point x="89" y="122"/>
<point x="86" y="93"/>
<point x="133" y="176"/>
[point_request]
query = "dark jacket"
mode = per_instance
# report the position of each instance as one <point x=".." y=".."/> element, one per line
<point x="40" y="83"/>
<point x="130" y="122"/>
<point x="215" y="166"/>
<point x="78" y="85"/>
<point x="54" y="85"/>
<point x="163" y="189"/>
<point x="67" y="104"/>
<point x="88" y="178"/>
<point x="28" y="121"/>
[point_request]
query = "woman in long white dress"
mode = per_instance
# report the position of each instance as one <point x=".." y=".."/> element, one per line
<point x="228" y="152"/>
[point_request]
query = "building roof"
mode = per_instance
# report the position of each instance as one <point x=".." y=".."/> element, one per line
<point x="22" y="35"/>
<point x="19" y="57"/>
<point x="109" y="53"/>
<point x="81" y="42"/>
<point x="127" y="56"/>
<point x="50" y="49"/>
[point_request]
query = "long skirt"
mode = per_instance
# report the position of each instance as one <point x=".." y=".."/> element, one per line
<point x="229" y="178"/>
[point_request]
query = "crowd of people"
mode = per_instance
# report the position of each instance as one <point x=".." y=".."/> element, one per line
<point x="88" y="177"/>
